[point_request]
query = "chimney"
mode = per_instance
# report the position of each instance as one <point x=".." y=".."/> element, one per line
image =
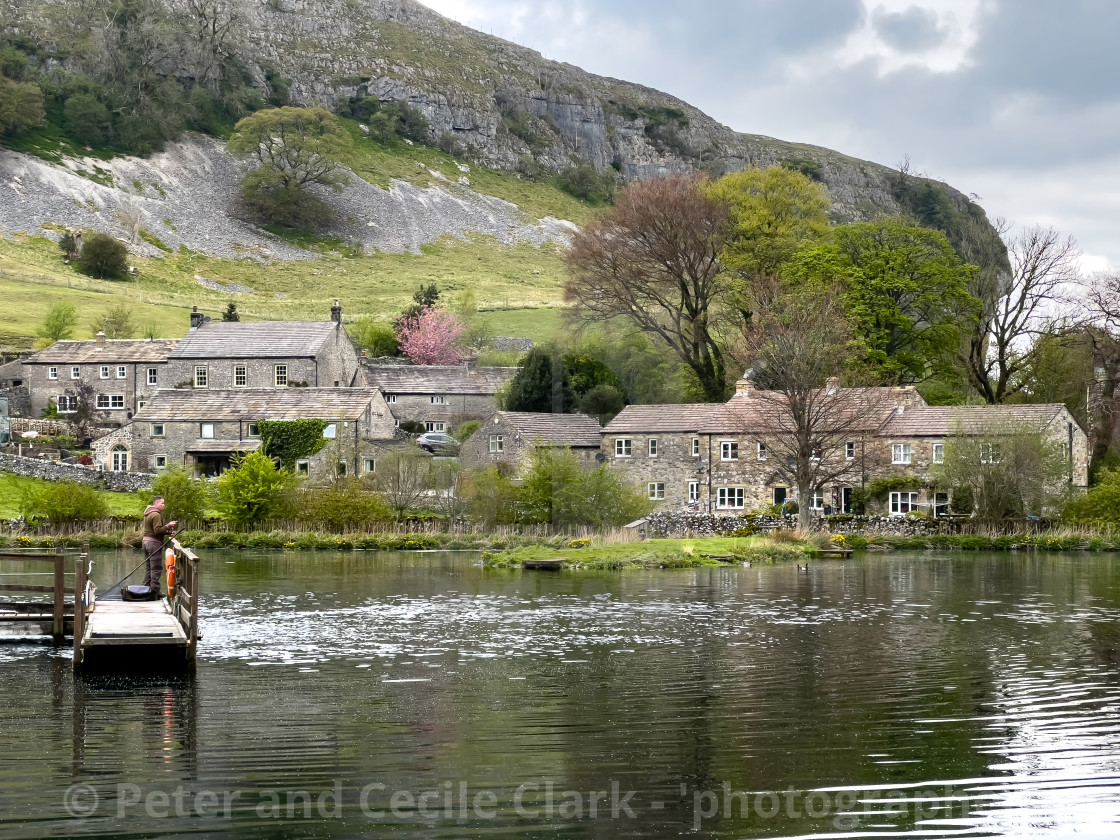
<point x="196" y="318"/>
<point x="100" y="338"/>
<point x="471" y="363"/>
<point x="832" y="384"/>
<point x="336" y="312"/>
<point x="365" y="355"/>
<point x="744" y="386"/>
<point x="904" y="398"/>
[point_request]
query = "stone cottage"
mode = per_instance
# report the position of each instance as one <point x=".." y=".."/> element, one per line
<point x="440" y="397"/>
<point x="266" y="354"/>
<point x="508" y="437"/>
<point x="204" y="430"/>
<point x="123" y="373"/>
<point x="14" y="388"/>
<point x="725" y="457"/>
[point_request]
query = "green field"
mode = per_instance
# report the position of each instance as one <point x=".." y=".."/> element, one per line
<point x="14" y="487"/>
<point x="517" y="288"/>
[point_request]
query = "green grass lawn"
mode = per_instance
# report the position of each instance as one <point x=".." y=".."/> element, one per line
<point x="13" y="488"/>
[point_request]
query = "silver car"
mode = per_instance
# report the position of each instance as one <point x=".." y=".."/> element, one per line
<point x="438" y="443"/>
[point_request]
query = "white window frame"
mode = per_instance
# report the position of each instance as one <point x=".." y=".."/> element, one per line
<point x="280" y="376"/>
<point x="157" y="430"/>
<point x="656" y="490"/>
<point x="939" y="453"/>
<point x="623" y="447"/>
<point x="153" y="376"/>
<point x="303" y="467"/>
<point x="902" y="453"/>
<point x="252" y="429"/>
<point x="52" y="372"/>
<point x="391" y="399"/>
<point x="116" y="402"/>
<point x="990" y="453"/>
<point x="693" y="492"/>
<point x="122" y="372"/>
<point x="435" y="426"/>
<point x="816" y="500"/>
<point x="437" y="399"/>
<point x="696" y="447"/>
<point x="897" y="502"/>
<point x="202" y="429"/>
<point x="729" y="450"/>
<point x="103" y="373"/>
<point x="731" y="498"/>
<point x="242" y="372"/>
<point x="815" y="455"/>
<point x="159" y="461"/>
<point x="497" y="444"/>
<point x="140" y="404"/>
<point x="850" y="451"/>
<point x="201" y="376"/>
<point x="71" y="403"/>
<point x="118" y="458"/>
<point x="102" y="402"/>
<point x="370" y="465"/>
<point x="651" y="447"/>
<point x="761" y="452"/>
<point x="75" y="372"/>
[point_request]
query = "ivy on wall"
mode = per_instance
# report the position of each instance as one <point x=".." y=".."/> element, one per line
<point x="289" y="440"/>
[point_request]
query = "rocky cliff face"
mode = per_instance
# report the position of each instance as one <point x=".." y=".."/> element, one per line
<point x="504" y="104"/>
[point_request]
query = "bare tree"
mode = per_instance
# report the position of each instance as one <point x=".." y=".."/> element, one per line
<point x="1044" y="264"/>
<point x="402" y="476"/>
<point x="653" y="261"/>
<point x="805" y="419"/>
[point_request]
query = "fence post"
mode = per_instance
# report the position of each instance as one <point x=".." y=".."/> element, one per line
<point x="57" y="631"/>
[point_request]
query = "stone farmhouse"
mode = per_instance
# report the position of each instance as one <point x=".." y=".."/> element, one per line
<point x="722" y="457"/>
<point x="204" y="430"/>
<point x="440" y="397"/>
<point x="267" y="354"/>
<point x="124" y="374"/>
<point x="508" y="437"/>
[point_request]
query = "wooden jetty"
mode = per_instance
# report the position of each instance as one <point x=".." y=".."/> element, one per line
<point x="834" y="553"/>
<point x="120" y="634"/>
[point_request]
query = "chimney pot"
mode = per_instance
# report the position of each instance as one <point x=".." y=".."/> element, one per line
<point x="743" y="387"/>
<point x="100" y="337"/>
<point x="336" y="312"/>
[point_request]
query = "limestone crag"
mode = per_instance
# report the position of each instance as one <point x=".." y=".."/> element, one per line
<point x="186" y="196"/>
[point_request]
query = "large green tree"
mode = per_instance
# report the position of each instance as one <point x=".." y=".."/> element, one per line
<point x="21" y="105"/>
<point x="905" y="292"/>
<point x="293" y="149"/>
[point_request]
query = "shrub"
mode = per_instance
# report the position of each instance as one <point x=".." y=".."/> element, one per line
<point x="962" y="501"/>
<point x="377" y="339"/>
<point x="185" y="498"/>
<point x="103" y="257"/>
<point x="1101" y="505"/>
<point x="343" y="505"/>
<point x="255" y="490"/>
<point x="64" y="503"/>
<point x="467" y="429"/>
<point x="413" y="427"/>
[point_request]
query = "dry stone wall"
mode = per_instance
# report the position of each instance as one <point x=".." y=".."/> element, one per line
<point x="52" y="471"/>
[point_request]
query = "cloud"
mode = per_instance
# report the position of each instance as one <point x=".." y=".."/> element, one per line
<point x="1017" y="100"/>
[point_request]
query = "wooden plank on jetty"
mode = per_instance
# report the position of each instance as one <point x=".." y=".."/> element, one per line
<point x="133" y="623"/>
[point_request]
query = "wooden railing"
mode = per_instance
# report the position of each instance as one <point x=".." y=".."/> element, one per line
<point x="84" y="591"/>
<point x="57" y="589"/>
<point x="185" y="607"/>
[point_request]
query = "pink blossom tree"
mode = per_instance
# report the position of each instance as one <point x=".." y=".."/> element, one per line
<point x="432" y="337"/>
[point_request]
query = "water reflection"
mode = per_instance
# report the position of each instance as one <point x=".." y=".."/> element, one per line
<point x="920" y="695"/>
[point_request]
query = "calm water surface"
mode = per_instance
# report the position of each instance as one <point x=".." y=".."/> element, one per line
<point x="422" y="696"/>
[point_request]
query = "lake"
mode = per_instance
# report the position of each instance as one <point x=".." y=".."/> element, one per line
<point x="420" y="695"/>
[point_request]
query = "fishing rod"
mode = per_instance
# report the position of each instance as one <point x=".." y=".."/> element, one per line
<point x="134" y="571"/>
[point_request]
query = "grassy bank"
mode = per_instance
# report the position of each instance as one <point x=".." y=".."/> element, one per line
<point x="652" y="554"/>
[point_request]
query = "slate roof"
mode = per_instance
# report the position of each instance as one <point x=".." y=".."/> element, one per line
<point x="172" y="405"/>
<point x="854" y="410"/>
<point x="941" y="421"/>
<point x="437" y="379"/>
<point x="13" y="370"/>
<point x="113" y="350"/>
<point x="259" y="340"/>
<point x="575" y="430"/>
<point x="687" y="417"/>
<point x="204" y="446"/>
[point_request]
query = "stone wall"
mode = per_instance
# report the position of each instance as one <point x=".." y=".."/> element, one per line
<point x="669" y="523"/>
<point x="36" y="468"/>
<point x="19" y="401"/>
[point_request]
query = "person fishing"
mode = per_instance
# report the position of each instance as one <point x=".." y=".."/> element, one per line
<point x="154" y="532"/>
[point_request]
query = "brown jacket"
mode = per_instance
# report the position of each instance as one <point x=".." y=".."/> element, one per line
<point x="153" y="525"/>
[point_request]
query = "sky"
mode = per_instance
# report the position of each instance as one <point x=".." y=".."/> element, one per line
<point x="1014" y="101"/>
